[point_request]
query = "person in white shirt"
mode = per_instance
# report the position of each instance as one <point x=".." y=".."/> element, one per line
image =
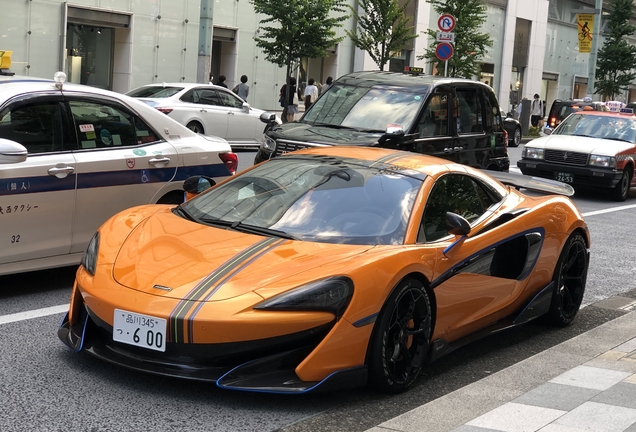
<point x="536" y="111"/>
<point x="311" y="93"/>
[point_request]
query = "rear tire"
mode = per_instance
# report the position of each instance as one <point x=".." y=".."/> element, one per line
<point x="516" y="138"/>
<point x="196" y="127"/>
<point x="621" y="190"/>
<point x="569" y="280"/>
<point x="401" y="338"/>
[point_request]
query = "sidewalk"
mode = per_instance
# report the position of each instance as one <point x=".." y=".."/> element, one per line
<point x="587" y="383"/>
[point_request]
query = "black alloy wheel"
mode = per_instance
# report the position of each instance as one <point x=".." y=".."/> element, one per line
<point x="569" y="279"/>
<point x="621" y="190"/>
<point x="195" y="127"/>
<point x="401" y="338"/>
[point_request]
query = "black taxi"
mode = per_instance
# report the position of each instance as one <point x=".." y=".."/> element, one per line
<point x="452" y="118"/>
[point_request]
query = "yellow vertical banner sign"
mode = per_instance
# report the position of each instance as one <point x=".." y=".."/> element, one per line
<point x="585" y="25"/>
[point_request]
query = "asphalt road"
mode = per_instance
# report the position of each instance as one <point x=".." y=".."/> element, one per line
<point x="46" y="387"/>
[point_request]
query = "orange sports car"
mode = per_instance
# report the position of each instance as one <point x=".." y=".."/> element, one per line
<point x="325" y="268"/>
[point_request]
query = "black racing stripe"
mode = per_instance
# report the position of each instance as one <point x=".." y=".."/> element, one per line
<point x="179" y="313"/>
<point x="223" y="282"/>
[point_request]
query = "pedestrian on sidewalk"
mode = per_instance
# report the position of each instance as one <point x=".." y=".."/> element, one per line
<point x="326" y="85"/>
<point x="536" y="111"/>
<point x="289" y="100"/>
<point x="242" y="89"/>
<point x="221" y="81"/>
<point x="311" y="93"/>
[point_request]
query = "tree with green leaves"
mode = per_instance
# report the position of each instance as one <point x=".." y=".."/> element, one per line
<point x="295" y="29"/>
<point x="616" y="60"/>
<point x="382" y="30"/>
<point x="470" y="43"/>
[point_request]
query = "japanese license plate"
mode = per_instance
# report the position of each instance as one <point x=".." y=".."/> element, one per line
<point x="564" y="177"/>
<point x="140" y="330"/>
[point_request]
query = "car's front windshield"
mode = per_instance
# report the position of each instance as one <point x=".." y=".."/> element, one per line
<point x="154" y="92"/>
<point x="313" y="199"/>
<point x="619" y="128"/>
<point x="367" y="108"/>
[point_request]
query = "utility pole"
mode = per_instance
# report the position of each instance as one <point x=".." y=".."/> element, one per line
<point x="598" y="11"/>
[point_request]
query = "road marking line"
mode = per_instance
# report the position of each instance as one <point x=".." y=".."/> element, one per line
<point x="609" y="210"/>
<point x="36" y="313"/>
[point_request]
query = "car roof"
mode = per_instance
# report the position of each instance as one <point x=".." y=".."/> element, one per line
<point x="402" y="79"/>
<point x="380" y="158"/>
<point x="181" y="84"/>
<point x="605" y="114"/>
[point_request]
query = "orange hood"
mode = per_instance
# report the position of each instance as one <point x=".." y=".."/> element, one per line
<point x="166" y="255"/>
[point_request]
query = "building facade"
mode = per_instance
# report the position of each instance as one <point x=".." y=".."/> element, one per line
<point x="122" y="44"/>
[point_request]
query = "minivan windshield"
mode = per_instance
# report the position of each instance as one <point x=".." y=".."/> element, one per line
<point x="367" y="108"/>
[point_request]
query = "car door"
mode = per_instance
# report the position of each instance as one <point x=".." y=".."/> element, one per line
<point x="433" y="128"/>
<point x="121" y="162"/>
<point x="212" y="111"/>
<point x="474" y="277"/>
<point x="37" y="196"/>
<point x="472" y="142"/>
<point x="241" y="125"/>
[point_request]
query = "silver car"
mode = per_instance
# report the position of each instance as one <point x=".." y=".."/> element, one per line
<point x="71" y="156"/>
<point x="207" y="109"/>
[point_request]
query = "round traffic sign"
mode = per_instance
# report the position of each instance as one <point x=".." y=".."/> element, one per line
<point x="446" y="22"/>
<point x="444" y="51"/>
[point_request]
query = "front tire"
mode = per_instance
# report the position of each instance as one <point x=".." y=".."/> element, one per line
<point x="621" y="190"/>
<point x="569" y="280"/>
<point x="401" y="338"/>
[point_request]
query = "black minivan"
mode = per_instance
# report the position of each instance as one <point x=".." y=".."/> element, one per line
<point x="452" y="118"/>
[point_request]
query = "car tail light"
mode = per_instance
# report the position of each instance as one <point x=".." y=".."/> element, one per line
<point x="230" y="160"/>
<point x="553" y="122"/>
<point x="165" y="110"/>
<point x="505" y="139"/>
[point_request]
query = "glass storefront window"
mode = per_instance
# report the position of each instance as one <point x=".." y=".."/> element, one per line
<point x="89" y="55"/>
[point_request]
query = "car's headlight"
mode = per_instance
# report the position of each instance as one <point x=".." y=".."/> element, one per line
<point x="268" y="144"/>
<point x="331" y="295"/>
<point x="532" y="153"/>
<point x="89" y="260"/>
<point x="603" y="161"/>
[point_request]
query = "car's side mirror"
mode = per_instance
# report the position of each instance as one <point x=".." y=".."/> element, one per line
<point x="268" y="117"/>
<point x="246" y="107"/>
<point x="12" y="152"/>
<point x="194" y="185"/>
<point x="547" y="131"/>
<point x="457" y="225"/>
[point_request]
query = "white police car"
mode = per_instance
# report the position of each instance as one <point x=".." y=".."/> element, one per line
<point x="71" y="156"/>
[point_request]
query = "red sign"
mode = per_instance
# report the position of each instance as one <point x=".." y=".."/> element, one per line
<point x="444" y="51"/>
<point x="446" y="23"/>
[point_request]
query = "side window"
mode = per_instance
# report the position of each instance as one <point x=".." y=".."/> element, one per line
<point x="100" y="125"/>
<point x="188" y="96"/>
<point x="470" y="117"/>
<point x="37" y="126"/>
<point x="493" y="114"/>
<point x="209" y="97"/>
<point x="230" y="100"/>
<point x="455" y="193"/>
<point x="434" y="120"/>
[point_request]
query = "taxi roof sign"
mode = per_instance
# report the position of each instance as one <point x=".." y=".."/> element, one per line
<point x="627" y="111"/>
<point x="5" y="62"/>
<point x="413" y="70"/>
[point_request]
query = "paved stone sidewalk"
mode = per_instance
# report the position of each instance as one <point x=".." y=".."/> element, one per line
<point x="587" y="383"/>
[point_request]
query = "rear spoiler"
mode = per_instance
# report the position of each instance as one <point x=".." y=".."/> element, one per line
<point x="536" y="184"/>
